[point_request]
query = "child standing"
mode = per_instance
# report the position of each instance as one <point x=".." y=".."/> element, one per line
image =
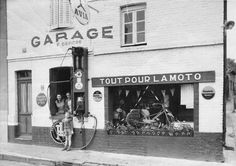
<point x="67" y="127"/>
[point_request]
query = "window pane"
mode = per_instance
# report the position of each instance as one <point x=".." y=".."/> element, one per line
<point x="140" y="15"/>
<point x="128" y="39"/>
<point x="29" y="98"/>
<point x="128" y="28"/>
<point x="140" y="26"/>
<point x="128" y="17"/>
<point x="23" y="74"/>
<point x="23" y="103"/>
<point x="141" y="37"/>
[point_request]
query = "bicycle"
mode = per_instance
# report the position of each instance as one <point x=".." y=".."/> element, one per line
<point x="135" y="119"/>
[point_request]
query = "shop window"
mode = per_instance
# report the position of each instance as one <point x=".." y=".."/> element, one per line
<point x="133" y="25"/>
<point x="151" y="110"/>
<point x="60" y="14"/>
<point x="60" y="84"/>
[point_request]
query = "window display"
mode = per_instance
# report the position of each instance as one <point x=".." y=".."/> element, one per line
<point x="149" y="110"/>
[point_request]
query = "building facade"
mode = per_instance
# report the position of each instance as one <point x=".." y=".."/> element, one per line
<point x="3" y="72"/>
<point x="155" y="74"/>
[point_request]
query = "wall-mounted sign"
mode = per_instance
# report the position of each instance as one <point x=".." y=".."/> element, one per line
<point x="207" y="76"/>
<point x="41" y="99"/>
<point x="61" y="15"/>
<point x="208" y="92"/>
<point x="97" y="96"/>
<point x="80" y="11"/>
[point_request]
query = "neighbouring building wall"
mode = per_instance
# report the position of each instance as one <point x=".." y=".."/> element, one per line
<point x="230" y="93"/>
<point x="3" y="72"/>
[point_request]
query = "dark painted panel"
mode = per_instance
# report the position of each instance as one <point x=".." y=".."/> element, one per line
<point x="196" y="107"/>
<point x="190" y="77"/>
<point x="13" y="133"/>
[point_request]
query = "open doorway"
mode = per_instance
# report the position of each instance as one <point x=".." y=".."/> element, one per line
<point x="60" y="84"/>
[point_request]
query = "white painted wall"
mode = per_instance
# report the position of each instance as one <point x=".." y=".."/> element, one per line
<point x="169" y="23"/>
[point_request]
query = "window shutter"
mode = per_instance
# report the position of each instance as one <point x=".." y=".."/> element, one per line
<point x="54" y="14"/>
<point x="60" y="14"/>
<point x="64" y="13"/>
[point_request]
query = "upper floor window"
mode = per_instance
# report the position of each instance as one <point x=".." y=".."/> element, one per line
<point x="60" y="14"/>
<point x="133" y="25"/>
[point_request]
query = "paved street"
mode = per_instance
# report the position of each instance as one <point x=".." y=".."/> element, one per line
<point x="15" y="163"/>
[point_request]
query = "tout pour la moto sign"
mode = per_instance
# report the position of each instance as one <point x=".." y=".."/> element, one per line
<point x="80" y="11"/>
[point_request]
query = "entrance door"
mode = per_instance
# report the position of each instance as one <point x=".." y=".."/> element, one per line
<point x="24" y="103"/>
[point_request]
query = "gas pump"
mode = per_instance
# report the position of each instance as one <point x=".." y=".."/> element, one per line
<point x="79" y="95"/>
<point x="80" y="81"/>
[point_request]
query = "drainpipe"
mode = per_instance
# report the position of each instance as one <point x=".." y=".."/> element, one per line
<point x="224" y="71"/>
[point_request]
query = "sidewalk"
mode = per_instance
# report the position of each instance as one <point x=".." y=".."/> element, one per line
<point x="43" y="155"/>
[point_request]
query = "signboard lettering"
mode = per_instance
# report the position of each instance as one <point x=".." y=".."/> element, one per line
<point x="63" y="36"/>
<point x="208" y="76"/>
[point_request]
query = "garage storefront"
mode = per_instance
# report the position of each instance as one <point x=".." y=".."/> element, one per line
<point x="153" y="105"/>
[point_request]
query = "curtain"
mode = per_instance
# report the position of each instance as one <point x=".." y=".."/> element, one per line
<point x="187" y="95"/>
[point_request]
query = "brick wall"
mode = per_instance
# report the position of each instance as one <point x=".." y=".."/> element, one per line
<point x="203" y="146"/>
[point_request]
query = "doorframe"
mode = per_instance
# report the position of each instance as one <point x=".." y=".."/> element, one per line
<point x="27" y="79"/>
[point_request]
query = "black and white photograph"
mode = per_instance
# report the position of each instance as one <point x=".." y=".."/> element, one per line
<point x="117" y="82"/>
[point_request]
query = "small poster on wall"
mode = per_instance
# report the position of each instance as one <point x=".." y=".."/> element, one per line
<point x="41" y="99"/>
<point x="208" y="92"/>
<point x="97" y="96"/>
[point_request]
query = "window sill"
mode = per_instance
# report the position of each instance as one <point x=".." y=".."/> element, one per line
<point x="134" y="45"/>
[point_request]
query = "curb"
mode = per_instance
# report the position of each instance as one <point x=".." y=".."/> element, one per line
<point x="47" y="162"/>
<point x="38" y="161"/>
